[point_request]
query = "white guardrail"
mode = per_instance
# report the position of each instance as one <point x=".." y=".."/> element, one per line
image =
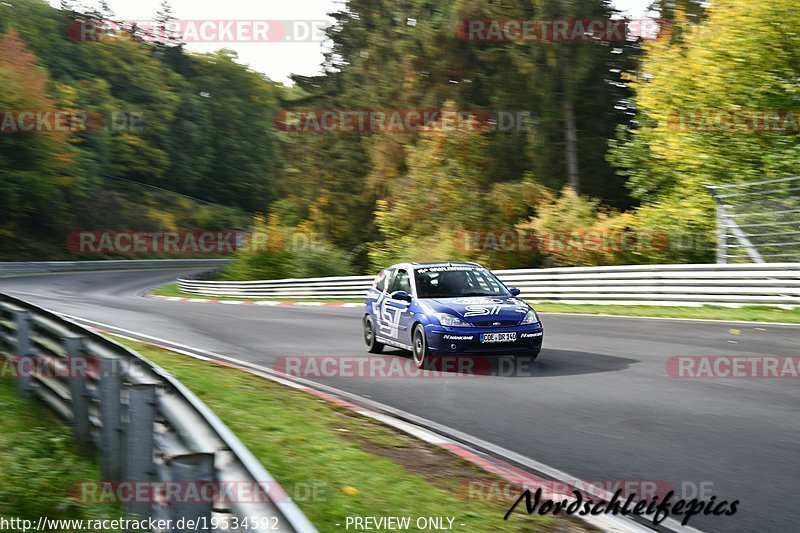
<point x="43" y="267"/>
<point x="731" y="285"/>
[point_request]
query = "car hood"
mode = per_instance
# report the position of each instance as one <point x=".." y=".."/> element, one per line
<point x="484" y="310"/>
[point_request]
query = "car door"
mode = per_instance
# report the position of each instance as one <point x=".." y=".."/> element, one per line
<point x="385" y="317"/>
<point x="378" y="293"/>
<point x="396" y="313"/>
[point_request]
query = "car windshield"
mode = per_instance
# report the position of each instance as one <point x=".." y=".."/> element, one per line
<point x="457" y="281"/>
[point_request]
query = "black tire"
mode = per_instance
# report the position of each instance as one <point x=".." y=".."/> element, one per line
<point x="419" y="343"/>
<point x="373" y="346"/>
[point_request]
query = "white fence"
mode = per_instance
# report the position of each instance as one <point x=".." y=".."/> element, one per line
<point x="42" y="267"/>
<point x="727" y="285"/>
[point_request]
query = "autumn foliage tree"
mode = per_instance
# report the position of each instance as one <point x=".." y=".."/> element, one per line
<point x="743" y="58"/>
<point x="32" y="165"/>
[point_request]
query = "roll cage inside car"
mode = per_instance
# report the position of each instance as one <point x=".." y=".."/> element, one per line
<point x="397" y="278"/>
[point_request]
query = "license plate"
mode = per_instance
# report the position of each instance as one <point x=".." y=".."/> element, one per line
<point x="498" y="337"/>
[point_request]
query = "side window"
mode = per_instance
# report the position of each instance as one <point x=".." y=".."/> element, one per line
<point x="388" y="274"/>
<point x="401" y="282"/>
<point x="380" y="281"/>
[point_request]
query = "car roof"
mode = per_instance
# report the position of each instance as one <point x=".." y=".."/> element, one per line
<point x="414" y="266"/>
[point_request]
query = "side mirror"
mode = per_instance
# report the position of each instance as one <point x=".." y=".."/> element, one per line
<point x="401" y="295"/>
<point x="514" y="291"/>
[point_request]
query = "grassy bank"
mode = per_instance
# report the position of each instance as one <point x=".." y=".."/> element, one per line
<point x="40" y="465"/>
<point x="355" y="466"/>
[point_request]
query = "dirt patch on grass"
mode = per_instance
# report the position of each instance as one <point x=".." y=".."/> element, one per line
<point x="444" y="470"/>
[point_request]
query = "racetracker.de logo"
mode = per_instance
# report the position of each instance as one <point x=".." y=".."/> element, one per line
<point x="558" y="30"/>
<point x="513" y="240"/>
<point x="22" y="121"/>
<point x="59" y="368"/>
<point x="181" y="242"/>
<point x="371" y="366"/>
<point x="735" y="121"/>
<point x="399" y="120"/>
<point x="202" y="31"/>
<point x="504" y="491"/>
<point x="220" y="493"/>
<point x="733" y="367"/>
<point x="50" y="367"/>
<point x="388" y="367"/>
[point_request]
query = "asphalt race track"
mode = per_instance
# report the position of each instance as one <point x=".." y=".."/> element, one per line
<point x="598" y="405"/>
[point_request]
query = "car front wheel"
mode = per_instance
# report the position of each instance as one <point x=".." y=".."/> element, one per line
<point x="373" y="346"/>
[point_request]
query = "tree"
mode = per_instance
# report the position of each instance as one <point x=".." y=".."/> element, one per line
<point x="166" y="35"/>
<point x="417" y="225"/>
<point x="32" y="165"/>
<point x="739" y="60"/>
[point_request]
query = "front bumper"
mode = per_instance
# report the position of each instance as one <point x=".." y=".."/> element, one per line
<point x="444" y="340"/>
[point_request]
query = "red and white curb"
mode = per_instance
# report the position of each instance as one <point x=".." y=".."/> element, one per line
<point x="268" y="303"/>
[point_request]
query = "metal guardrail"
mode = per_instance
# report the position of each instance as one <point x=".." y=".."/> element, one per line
<point x="42" y="267"/>
<point x="148" y="427"/>
<point x="693" y="285"/>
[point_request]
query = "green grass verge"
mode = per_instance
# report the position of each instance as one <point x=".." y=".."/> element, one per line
<point x="357" y="466"/>
<point x="40" y="465"/>
<point x="172" y="289"/>
<point x="754" y="313"/>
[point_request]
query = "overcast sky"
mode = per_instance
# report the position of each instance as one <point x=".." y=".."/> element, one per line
<point x="276" y="59"/>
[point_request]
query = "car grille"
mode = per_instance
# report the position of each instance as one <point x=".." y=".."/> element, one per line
<point x="496" y="323"/>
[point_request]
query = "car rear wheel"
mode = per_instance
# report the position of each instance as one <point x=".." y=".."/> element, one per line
<point x="420" y="351"/>
<point x="373" y="346"/>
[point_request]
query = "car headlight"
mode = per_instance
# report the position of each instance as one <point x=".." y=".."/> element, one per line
<point x="530" y="318"/>
<point x="450" y="320"/>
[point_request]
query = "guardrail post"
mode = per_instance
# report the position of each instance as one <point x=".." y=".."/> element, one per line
<point x="76" y="351"/>
<point x="198" y="469"/>
<point x="139" y="464"/>
<point x="24" y="359"/>
<point x="110" y="441"/>
<point x="726" y="222"/>
<point x="722" y="237"/>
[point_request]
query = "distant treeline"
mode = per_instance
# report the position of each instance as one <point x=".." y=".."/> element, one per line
<point x="417" y="142"/>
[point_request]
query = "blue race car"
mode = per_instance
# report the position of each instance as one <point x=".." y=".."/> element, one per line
<point x="450" y="309"/>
